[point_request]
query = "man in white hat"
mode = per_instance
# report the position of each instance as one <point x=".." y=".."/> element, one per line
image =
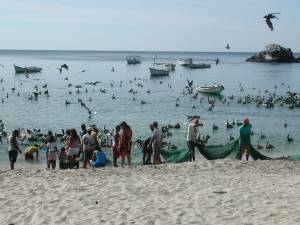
<point x="192" y="136"/>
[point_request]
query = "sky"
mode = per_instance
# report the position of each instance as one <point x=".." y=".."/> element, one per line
<point x="147" y="25"/>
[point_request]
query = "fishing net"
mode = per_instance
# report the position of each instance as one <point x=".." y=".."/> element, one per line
<point x="212" y="152"/>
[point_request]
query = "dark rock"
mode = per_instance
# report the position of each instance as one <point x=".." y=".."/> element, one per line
<point x="274" y="53"/>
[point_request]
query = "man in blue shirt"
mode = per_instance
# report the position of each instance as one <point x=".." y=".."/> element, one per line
<point x="245" y="143"/>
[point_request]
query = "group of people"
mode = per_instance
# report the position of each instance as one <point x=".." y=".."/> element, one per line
<point x="193" y="140"/>
<point x="88" y="145"/>
<point x="152" y="146"/>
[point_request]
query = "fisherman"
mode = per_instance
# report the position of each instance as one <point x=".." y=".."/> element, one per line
<point x="156" y="143"/>
<point x="192" y="136"/>
<point x="245" y="142"/>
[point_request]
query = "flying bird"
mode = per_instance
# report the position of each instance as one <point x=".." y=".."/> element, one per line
<point x="227" y="46"/>
<point x="93" y="83"/>
<point x="63" y="66"/>
<point x="268" y="19"/>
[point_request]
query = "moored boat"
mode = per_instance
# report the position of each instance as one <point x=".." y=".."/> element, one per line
<point x="158" y="70"/>
<point x="185" y="62"/>
<point x="199" y="66"/>
<point x="214" y="89"/>
<point x="31" y="69"/>
<point x="133" y="60"/>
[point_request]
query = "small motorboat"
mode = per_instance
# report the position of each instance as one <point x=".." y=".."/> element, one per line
<point x="214" y="89"/>
<point x="132" y="60"/>
<point x="185" y="62"/>
<point x="19" y="69"/>
<point x="198" y="66"/>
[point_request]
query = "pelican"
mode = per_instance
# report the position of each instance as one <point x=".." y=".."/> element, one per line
<point x="63" y="66"/>
<point x="289" y="139"/>
<point x="268" y="19"/>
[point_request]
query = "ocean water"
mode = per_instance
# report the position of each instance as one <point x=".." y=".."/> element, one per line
<point x="51" y="113"/>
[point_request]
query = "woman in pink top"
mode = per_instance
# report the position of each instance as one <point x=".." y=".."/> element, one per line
<point x="73" y="145"/>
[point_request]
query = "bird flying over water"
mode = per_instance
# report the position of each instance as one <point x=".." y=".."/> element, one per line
<point x="63" y="66"/>
<point x="190" y="83"/>
<point x="268" y="19"/>
<point x="227" y="46"/>
<point x="93" y="83"/>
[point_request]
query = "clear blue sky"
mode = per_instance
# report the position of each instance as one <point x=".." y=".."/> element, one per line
<point x="158" y="25"/>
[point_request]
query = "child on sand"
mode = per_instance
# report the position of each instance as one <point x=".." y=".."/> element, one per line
<point x="98" y="159"/>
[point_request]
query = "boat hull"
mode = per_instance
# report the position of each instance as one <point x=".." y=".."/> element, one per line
<point x="19" y="69"/>
<point x="199" y="66"/>
<point x="214" y="90"/>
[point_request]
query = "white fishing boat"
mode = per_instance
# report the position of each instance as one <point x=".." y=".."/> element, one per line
<point x="133" y="60"/>
<point x="158" y="70"/>
<point x="19" y="69"/>
<point x="199" y="66"/>
<point x="185" y="62"/>
<point x="214" y="89"/>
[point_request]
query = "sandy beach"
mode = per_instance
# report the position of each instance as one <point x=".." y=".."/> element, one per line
<point x="204" y="192"/>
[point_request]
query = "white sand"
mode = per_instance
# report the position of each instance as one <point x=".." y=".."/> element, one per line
<point x="206" y="192"/>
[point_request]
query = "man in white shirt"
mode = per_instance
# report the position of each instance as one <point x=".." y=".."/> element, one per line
<point x="156" y="142"/>
<point x="87" y="147"/>
<point x="192" y="136"/>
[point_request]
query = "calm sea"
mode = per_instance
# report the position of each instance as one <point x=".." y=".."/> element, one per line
<point x="51" y="113"/>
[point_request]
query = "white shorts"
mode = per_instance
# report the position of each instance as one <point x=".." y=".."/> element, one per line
<point x="73" y="151"/>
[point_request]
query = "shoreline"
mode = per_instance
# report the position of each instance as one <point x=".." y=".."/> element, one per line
<point x="203" y="192"/>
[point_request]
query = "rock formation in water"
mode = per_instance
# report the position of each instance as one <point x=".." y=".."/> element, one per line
<point x="274" y="53"/>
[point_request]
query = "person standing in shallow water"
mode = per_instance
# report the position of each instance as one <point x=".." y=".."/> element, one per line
<point x="245" y="141"/>
<point x="125" y="143"/>
<point x="13" y="148"/>
<point x="192" y="137"/>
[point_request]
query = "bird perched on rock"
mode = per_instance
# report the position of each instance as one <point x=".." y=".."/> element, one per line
<point x="268" y="19"/>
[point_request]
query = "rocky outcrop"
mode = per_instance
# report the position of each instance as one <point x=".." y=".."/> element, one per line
<point x="274" y="53"/>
